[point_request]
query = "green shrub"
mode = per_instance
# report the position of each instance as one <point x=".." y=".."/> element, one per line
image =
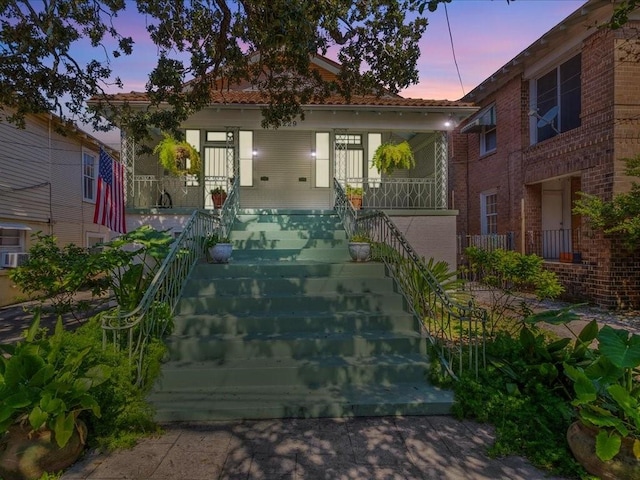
<point x="126" y="415"/>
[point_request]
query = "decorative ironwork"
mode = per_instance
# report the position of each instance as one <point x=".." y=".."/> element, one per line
<point x="400" y="193"/>
<point x="456" y="330"/>
<point x="133" y="330"/>
<point x="441" y="175"/>
<point x="128" y="158"/>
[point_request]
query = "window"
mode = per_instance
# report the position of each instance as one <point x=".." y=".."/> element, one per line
<point x="557" y="101"/>
<point x="89" y="176"/>
<point x="488" y="134"/>
<point x="489" y="213"/>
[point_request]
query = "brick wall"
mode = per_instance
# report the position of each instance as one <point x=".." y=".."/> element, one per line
<point x="591" y="154"/>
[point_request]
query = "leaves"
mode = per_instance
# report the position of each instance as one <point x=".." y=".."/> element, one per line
<point x="263" y="43"/>
<point x="607" y="445"/>
<point x="623" y="350"/>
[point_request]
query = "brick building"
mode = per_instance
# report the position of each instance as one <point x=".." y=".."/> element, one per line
<point x="557" y="119"/>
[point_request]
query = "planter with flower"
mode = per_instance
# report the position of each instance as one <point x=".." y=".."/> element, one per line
<point x="44" y="391"/>
<point x="606" y="438"/>
<point x="354" y="195"/>
<point x="360" y="246"/>
<point x="178" y="158"/>
<point x="218" y="248"/>
<point x="218" y="196"/>
<point x="391" y="156"/>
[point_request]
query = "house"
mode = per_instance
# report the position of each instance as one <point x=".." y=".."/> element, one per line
<point x="48" y="182"/>
<point x="557" y="119"/>
<point x="293" y="167"/>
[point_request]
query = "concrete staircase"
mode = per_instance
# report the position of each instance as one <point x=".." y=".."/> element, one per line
<point x="291" y="327"/>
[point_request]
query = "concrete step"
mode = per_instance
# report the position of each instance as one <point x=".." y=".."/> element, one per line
<point x="290" y="286"/>
<point x="292" y="304"/>
<point x="208" y="324"/>
<point x="310" y="372"/>
<point x="324" y="255"/>
<point x="291" y="327"/>
<point x="289" y="243"/>
<point x="274" y="401"/>
<point x="297" y="269"/>
<point x="293" y="345"/>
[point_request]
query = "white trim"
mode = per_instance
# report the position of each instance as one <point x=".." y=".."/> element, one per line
<point x="96" y="167"/>
<point x="14" y="226"/>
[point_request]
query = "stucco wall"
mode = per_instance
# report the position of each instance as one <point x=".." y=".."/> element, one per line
<point x="431" y="234"/>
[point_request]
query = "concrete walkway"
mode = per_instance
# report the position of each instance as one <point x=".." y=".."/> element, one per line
<point x="437" y="447"/>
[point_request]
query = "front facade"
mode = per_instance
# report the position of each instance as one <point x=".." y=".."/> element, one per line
<point x="294" y="166"/>
<point x="48" y="184"/>
<point x="558" y="119"/>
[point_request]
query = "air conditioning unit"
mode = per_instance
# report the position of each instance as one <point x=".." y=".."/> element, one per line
<point x="13" y="260"/>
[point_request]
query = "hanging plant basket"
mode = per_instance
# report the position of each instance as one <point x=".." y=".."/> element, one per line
<point x="178" y="157"/>
<point x="389" y="157"/>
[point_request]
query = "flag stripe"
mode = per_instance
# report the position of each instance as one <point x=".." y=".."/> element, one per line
<point x="110" y="198"/>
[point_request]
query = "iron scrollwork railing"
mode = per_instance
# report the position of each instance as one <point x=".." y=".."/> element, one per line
<point x="133" y="330"/>
<point x="456" y="330"/>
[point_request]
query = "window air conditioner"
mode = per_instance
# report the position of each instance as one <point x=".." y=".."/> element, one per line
<point x="12" y="259"/>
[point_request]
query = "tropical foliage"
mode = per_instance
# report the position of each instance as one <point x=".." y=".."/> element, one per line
<point x="390" y="156"/>
<point x="620" y="216"/>
<point x="197" y="41"/>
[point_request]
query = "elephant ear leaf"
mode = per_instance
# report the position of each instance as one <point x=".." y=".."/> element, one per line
<point x="617" y="346"/>
<point x="607" y="446"/>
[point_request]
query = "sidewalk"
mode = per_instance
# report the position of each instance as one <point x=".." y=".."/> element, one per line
<point x="372" y="448"/>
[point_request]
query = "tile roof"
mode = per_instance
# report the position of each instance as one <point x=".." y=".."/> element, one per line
<point x="236" y="97"/>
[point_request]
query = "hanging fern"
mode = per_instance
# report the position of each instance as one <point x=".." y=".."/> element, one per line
<point x="178" y="158"/>
<point x="390" y="156"/>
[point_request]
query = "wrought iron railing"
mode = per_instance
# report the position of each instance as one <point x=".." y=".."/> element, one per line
<point x="456" y="330"/>
<point x="133" y="330"/>
<point x="398" y="193"/>
<point x="552" y="244"/>
<point x="151" y="191"/>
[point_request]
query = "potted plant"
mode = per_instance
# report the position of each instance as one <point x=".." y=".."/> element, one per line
<point x="354" y="195"/>
<point x="218" y="196"/>
<point x="360" y="246"/>
<point x="43" y="391"/>
<point x="390" y="156"/>
<point x="606" y="438"/>
<point x="218" y="248"/>
<point x="178" y="157"/>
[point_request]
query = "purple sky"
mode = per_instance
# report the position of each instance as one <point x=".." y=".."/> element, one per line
<point x="486" y="35"/>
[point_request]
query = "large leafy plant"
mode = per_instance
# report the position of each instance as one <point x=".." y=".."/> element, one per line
<point x="391" y="156"/>
<point x="45" y="387"/>
<point x="607" y="392"/>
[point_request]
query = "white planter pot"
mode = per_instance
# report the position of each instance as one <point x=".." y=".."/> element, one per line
<point x="220" y="252"/>
<point x="360" y="251"/>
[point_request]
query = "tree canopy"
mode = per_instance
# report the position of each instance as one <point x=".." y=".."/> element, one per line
<point x="207" y="45"/>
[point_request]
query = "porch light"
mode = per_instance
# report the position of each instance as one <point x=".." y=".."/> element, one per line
<point x="254" y="153"/>
<point x="313" y="153"/>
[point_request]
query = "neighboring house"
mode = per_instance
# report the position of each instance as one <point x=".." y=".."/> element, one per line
<point x="47" y="184"/>
<point x="557" y="119"/>
<point x="293" y="167"/>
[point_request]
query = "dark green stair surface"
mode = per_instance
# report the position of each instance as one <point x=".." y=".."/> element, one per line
<point x="291" y="327"/>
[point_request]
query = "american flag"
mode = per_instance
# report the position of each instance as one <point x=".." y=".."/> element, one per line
<point x="110" y="200"/>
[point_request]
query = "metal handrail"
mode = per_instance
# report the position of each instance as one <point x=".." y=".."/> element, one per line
<point x="453" y="328"/>
<point x="133" y="330"/>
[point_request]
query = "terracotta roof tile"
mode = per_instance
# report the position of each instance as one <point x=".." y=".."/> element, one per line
<point x="235" y="97"/>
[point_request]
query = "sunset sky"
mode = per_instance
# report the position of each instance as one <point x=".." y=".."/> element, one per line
<point x="486" y="35"/>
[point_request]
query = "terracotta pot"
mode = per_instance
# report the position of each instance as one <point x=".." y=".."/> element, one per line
<point x="218" y="199"/>
<point x="356" y="201"/>
<point x="582" y="441"/>
<point x="27" y="456"/>
<point x="359" y="251"/>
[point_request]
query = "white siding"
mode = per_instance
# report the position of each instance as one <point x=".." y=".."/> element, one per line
<point x="283" y="173"/>
<point x="41" y="179"/>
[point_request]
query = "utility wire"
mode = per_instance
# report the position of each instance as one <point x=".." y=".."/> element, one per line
<point x="453" y="50"/>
